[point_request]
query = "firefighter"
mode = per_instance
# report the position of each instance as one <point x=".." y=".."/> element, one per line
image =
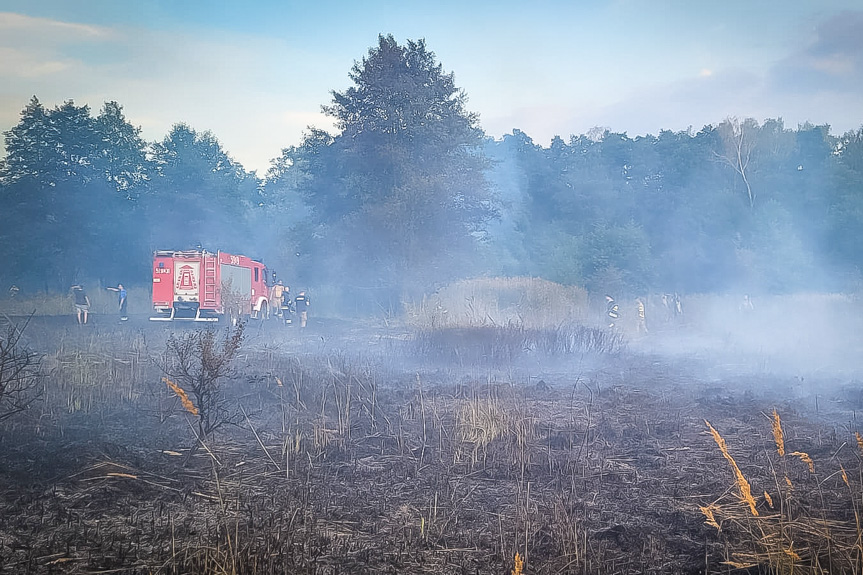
<point x="302" y="306"/>
<point x="641" y="326"/>
<point x="276" y="295"/>
<point x="121" y="300"/>
<point x="612" y="310"/>
<point x="677" y="306"/>
<point x="666" y="308"/>
<point x="82" y="303"/>
<point x="287" y="305"/>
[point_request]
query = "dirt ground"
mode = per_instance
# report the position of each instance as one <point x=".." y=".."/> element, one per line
<point x="349" y="451"/>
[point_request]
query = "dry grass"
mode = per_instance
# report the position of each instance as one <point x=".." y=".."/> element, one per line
<point x="500" y="345"/>
<point x="96" y="370"/>
<point x="778" y="436"/>
<point x="523" y="301"/>
<point x="102" y="302"/>
<point x="742" y="484"/>
<point x="801" y="536"/>
<point x="443" y="470"/>
<point x="482" y="422"/>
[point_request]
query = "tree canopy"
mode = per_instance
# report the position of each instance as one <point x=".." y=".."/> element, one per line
<point x="399" y="197"/>
<point x="408" y="194"/>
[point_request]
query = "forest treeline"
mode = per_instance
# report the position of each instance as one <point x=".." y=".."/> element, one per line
<point x="409" y="194"/>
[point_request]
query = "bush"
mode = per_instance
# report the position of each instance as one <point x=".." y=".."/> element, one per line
<point x="20" y="373"/>
<point x="196" y="363"/>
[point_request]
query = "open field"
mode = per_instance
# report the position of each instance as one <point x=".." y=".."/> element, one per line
<point x="379" y="447"/>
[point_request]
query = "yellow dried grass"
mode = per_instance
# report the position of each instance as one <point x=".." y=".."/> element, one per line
<point x="711" y="518"/>
<point x="742" y="483"/>
<point x="126" y="475"/>
<point x="804" y="457"/>
<point x="519" y="565"/>
<point x="778" y="437"/>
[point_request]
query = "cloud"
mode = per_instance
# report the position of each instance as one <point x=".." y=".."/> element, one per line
<point x="17" y="26"/>
<point x="832" y="61"/>
<point x="819" y="82"/>
<point x="34" y="48"/>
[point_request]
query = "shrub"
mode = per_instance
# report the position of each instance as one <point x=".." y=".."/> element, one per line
<point x="195" y="364"/>
<point x="20" y="373"/>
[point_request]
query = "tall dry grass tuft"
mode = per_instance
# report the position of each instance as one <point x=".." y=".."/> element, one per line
<point x="482" y="420"/>
<point x="496" y="430"/>
<point x="525" y="301"/>
<point x="778" y="437"/>
<point x="742" y="483"/>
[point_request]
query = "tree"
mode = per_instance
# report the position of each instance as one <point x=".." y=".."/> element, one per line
<point x="70" y="184"/>
<point x="200" y="195"/>
<point x="738" y="142"/>
<point x="400" y="194"/>
<point x="282" y="213"/>
<point x="121" y="152"/>
<point x="844" y="234"/>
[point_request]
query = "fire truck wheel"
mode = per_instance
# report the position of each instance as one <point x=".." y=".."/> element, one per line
<point x="265" y="311"/>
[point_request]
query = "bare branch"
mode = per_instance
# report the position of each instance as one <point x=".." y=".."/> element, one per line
<point x="20" y="373"/>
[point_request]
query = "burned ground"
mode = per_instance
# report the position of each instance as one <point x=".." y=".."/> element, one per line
<point x="366" y="448"/>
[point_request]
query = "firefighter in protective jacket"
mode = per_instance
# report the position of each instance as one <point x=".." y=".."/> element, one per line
<point x="276" y="297"/>
<point x="612" y="310"/>
<point x="302" y="307"/>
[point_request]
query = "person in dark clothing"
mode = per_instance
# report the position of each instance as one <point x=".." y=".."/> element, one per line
<point x="302" y="307"/>
<point x="121" y="300"/>
<point x="287" y="306"/>
<point x="82" y="303"/>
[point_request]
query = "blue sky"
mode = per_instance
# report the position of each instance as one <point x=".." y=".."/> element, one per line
<point x="256" y="73"/>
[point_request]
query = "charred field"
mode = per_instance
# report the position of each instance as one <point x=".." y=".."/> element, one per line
<point x="353" y="447"/>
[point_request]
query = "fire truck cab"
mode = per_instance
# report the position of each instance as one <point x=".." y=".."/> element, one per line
<point x="204" y="286"/>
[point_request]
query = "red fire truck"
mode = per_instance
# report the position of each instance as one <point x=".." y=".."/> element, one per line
<point x="204" y="286"/>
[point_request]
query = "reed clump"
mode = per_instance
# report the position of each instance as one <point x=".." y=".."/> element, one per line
<point x="502" y="344"/>
<point x="527" y="301"/>
<point x="793" y="528"/>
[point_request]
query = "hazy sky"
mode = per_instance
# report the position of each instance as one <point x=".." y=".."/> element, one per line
<point x="256" y="72"/>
